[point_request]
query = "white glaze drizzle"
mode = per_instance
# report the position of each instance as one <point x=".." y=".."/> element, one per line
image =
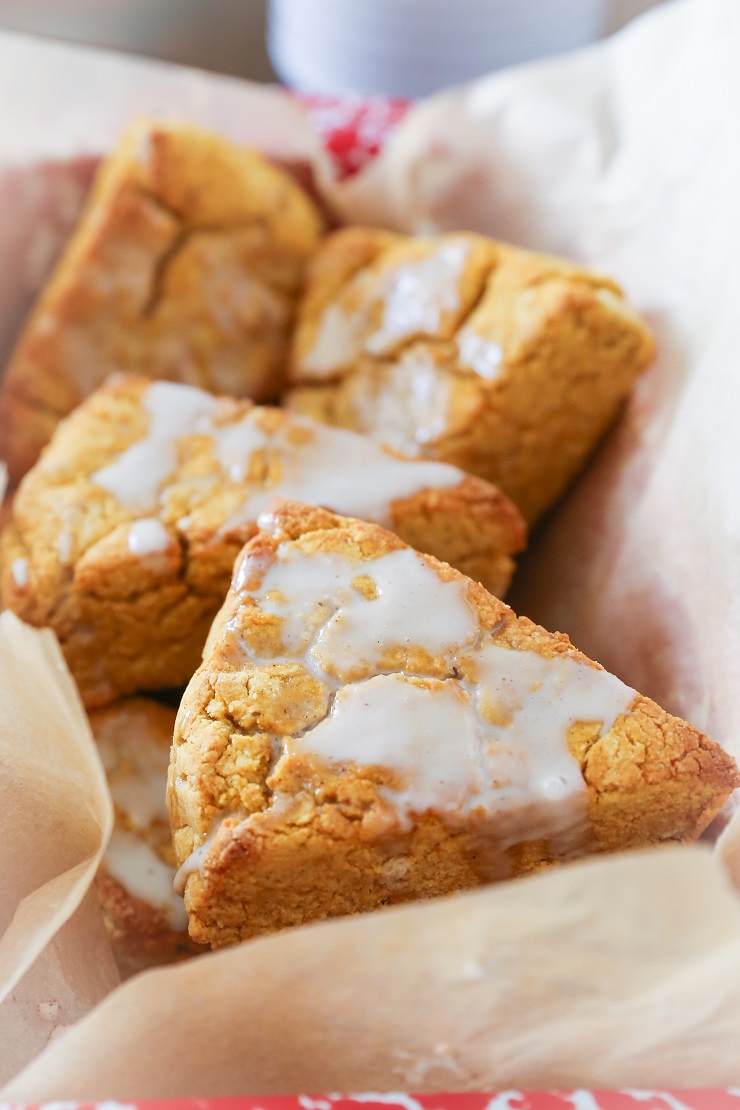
<point x="428" y="736"/>
<point x="19" y="570"/>
<point x="148" y="537"/>
<point x="234" y="445"/>
<point x="417" y="293"/>
<point x="194" y="862"/>
<point x="64" y="546"/>
<point x="429" y="398"/>
<point x="136" y="476"/>
<point x="347" y="473"/>
<point x="479" y="354"/>
<point x="413" y="296"/>
<point x="139" y="869"/>
<point x="338" y="342"/>
<point x="490" y="738"/>
<point x="343" y="471"/>
<point x="539" y="699"/>
<point x="410" y="409"/>
<point x="343" y="631"/>
<point x="136" y="765"/>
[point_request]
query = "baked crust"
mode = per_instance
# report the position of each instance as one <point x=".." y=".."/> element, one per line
<point x="134" y="738"/>
<point x="271" y="831"/>
<point x="186" y="265"/>
<point x="508" y="364"/>
<point x="133" y="615"/>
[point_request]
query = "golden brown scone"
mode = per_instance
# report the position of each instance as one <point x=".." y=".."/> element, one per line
<point x="124" y="535"/>
<point x="508" y="364"/>
<point x="186" y="265"/>
<point x="369" y="726"/>
<point x="145" y="918"/>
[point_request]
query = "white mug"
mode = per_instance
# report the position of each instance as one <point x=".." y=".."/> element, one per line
<point x="411" y="48"/>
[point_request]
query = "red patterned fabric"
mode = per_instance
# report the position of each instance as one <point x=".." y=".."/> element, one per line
<point x="353" y="131"/>
<point x="503" y="1100"/>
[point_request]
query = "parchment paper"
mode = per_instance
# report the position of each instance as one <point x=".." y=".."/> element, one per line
<point x="623" y="971"/>
<point x="55" y="819"/>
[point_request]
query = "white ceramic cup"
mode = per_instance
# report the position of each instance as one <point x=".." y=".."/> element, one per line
<point x="411" y="48"/>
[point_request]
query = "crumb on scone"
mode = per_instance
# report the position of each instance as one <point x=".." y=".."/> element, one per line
<point x="186" y="265"/>
<point x="508" y="364"/>
<point x="369" y="726"/>
<point x="123" y="536"/>
<point x="146" y="919"/>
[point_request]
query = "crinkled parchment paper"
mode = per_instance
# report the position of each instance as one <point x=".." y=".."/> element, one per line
<point x="55" y="819"/>
<point x="608" y="973"/>
<point x="621" y="971"/>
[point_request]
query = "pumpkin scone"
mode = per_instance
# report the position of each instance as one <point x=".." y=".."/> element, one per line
<point x="145" y="918"/>
<point x="369" y="726"/>
<point x="123" y="536"/>
<point x="186" y="265"/>
<point x="506" y="363"/>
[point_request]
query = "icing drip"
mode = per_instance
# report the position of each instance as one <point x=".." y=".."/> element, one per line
<point x="484" y="735"/>
<point x="418" y="293"/>
<point x="135" y="756"/>
<point x="414" y="297"/>
<point x="148" y="537"/>
<point x="325" y="609"/>
<point x="136" y="766"/>
<point x="481" y="355"/>
<point x="139" y="869"/>
<point x="136" y="476"/>
<point x="343" y="471"/>
<point x="409" y="408"/>
<point x="19" y="570"/>
<point x="338" y="343"/>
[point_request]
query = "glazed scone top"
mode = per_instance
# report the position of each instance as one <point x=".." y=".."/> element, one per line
<point x="389" y="290"/>
<point x="416" y="336"/>
<point x="389" y="670"/>
<point x="133" y="739"/>
<point x="383" y="307"/>
<point x="290" y="456"/>
<point x="147" y="462"/>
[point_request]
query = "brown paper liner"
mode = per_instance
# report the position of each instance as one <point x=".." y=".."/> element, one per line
<point x="55" y="819"/>
<point x="607" y="973"/>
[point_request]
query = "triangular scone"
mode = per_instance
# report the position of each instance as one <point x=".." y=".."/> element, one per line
<point x="123" y="536"/>
<point x="369" y="726"/>
<point x="508" y="364"/>
<point x="145" y="919"/>
<point x="186" y="265"/>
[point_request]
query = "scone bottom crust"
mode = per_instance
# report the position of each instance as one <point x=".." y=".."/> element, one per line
<point x="369" y="727"/>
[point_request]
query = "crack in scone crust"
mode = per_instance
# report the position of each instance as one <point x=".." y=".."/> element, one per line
<point x="186" y="265"/>
<point x="284" y="833"/>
